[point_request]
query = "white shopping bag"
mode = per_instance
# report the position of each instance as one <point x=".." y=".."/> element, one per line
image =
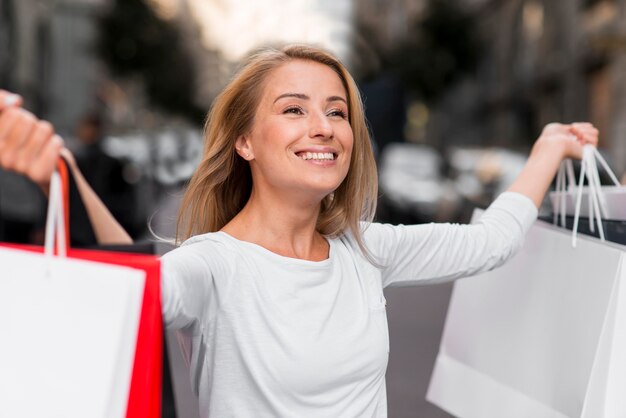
<point x="542" y="336"/>
<point x="615" y="198"/>
<point x="68" y="330"/>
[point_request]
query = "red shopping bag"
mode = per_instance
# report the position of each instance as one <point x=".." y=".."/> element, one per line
<point x="144" y="397"/>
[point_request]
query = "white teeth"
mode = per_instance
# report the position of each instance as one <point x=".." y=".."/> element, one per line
<point x="317" y="155"/>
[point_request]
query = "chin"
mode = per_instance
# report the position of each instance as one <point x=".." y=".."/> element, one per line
<point x="317" y="190"/>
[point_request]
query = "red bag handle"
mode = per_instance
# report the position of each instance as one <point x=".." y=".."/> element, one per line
<point x="65" y="192"/>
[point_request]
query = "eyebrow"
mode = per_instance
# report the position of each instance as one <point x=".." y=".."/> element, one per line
<point x="305" y="97"/>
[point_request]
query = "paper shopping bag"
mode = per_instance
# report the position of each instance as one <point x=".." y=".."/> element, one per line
<point x="144" y="396"/>
<point x="614" y="231"/>
<point x="69" y="329"/>
<point x="144" y="392"/>
<point x="114" y="297"/>
<point x="537" y="337"/>
<point x="615" y="197"/>
<point x="145" y="389"/>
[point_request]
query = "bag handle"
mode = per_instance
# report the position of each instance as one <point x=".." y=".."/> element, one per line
<point x="57" y="218"/>
<point x="596" y="200"/>
<point x="562" y="184"/>
<point x="590" y="170"/>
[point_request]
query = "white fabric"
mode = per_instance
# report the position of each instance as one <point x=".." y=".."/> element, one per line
<point x="272" y="336"/>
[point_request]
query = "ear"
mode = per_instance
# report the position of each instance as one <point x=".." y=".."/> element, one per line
<point x="244" y="148"/>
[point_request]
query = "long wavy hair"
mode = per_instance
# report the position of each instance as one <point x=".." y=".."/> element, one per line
<point x="222" y="183"/>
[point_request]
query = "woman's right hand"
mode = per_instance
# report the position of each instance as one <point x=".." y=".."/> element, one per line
<point x="28" y="146"/>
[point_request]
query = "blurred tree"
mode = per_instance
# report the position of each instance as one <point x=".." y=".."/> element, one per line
<point x="135" y="41"/>
<point x="444" y="45"/>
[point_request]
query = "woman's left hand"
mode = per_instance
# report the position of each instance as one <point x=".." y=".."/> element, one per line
<point x="568" y="139"/>
<point x="556" y="142"/>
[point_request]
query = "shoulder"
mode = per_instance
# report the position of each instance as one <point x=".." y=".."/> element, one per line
<point x="218" y="241"/>
<point x="373" y="234"/>
<point x="374" y="231"/>
<point x="213" y="250"/>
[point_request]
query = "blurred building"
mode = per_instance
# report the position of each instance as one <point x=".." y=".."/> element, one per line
<point x="44" y="56"/>
<point x="49" y="59"/>
<point x="541" y="61"/>
<point x="48" y="48"/>
<point x="544" y="61"/>
<point x="555" y="61"/>
<point x="7" y="41"/>
<point x="388" y="21"/>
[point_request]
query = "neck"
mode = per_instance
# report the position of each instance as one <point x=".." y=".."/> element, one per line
<point x="282" y="225"/>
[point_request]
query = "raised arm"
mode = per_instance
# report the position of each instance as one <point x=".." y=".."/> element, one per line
<point x="420" y="254"/>
<point x="29" y="146"/>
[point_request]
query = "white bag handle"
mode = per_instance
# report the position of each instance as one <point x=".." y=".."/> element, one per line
<point x="562" y="185"/>
<point x="55" y="220"/>
<point x="596" y="199"/>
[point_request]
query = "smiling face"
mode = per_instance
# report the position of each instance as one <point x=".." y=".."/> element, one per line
<point x="301" y="139"/>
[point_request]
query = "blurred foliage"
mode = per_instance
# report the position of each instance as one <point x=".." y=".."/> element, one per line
<point x="444" y="46"/>
<point x="134" y="41"/>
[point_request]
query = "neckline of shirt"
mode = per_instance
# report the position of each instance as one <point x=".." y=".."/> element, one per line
<point x="281" y="258"/>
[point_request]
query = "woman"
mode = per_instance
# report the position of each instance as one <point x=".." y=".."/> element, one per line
<point x="277" y="289"/>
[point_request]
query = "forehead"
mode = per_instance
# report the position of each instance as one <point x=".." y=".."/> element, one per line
<point x="307" y="77"/>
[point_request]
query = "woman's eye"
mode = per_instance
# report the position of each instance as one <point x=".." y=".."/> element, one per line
<point x="294" y="110"/>
<point x="339" y="113"/>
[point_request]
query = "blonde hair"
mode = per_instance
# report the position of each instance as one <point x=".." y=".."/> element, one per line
<point x="222" y="183"/>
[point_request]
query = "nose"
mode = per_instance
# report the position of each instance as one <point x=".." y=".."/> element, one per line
<point x="321" y="126"/>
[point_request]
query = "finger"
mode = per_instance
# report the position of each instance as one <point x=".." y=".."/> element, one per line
<point x="584" y="131"/>
<point x="586" y="135"/>
<point x="591" y="139"/>
<point x="16" y="137"/>
<point x="8" y="99"/>
<point x="40" y="135"/>
<point x="7" y="119"/>
<point x="587" y="130"/>
<point x="582" y="125"/>
<point x="44" y="164"/>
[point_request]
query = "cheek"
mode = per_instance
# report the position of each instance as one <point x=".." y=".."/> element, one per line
<point x="348" y="148"/>
<point x="348" y="142"/>
<point x="275" y="136"/>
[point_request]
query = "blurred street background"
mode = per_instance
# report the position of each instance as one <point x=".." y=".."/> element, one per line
<point x="456" y="91"/>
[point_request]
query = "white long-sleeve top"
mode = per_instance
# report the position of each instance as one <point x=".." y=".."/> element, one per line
<point x="271" y="336"/>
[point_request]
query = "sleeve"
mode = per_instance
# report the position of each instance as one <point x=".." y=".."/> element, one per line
<point x="188" y="289"/>
<point x="433" y="253"/>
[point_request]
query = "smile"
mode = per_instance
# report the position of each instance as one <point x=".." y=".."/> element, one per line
<point x="321" y="156"/>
